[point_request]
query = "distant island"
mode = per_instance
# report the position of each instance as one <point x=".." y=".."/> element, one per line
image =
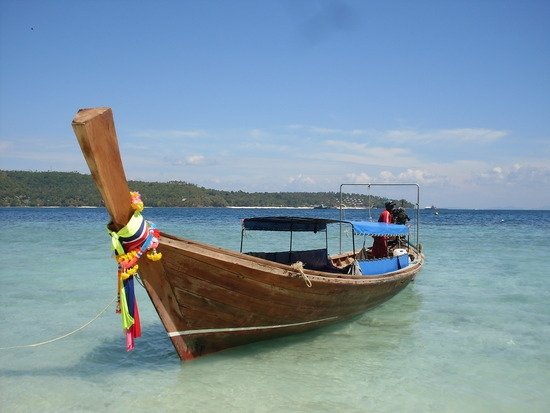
<point x="73" y="189"/>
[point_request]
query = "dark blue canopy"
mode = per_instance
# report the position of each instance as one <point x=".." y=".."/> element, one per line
<point x="302" y="224"/>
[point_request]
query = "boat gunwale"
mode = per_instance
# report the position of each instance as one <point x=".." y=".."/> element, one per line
<point x="288" y="270"/>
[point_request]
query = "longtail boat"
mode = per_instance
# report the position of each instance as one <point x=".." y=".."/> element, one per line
<point x="210" y="298"/>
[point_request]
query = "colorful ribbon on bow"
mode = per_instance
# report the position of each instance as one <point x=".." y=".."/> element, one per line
<point x="138" y="237"/>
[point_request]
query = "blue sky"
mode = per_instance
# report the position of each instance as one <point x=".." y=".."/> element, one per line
<point x="289" y="95"/>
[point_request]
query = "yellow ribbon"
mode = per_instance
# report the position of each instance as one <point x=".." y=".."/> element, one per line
<point x="126" y="232"/>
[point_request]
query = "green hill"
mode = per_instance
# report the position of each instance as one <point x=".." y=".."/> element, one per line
<point x="73" y="189"/>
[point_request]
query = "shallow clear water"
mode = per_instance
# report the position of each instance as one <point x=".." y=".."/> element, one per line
<point x="471" y="334"/>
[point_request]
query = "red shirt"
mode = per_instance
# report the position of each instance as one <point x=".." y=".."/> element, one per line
<point x="380" y="245"/>
<point x="385" y="216"/>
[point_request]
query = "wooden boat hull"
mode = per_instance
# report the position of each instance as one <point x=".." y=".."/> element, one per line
<point x="210" y="299"/>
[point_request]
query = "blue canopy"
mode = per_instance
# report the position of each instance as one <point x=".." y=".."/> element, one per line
<point x="306" y="224"/>
<point x="378" y="228"/>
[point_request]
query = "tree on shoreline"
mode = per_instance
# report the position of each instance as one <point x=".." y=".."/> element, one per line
<point x="73" y="189"/>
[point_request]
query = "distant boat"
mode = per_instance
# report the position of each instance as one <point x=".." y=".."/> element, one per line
<point x="322" y="206"/>
<point x="433" y="208"/>
<point x="210" y="299"/>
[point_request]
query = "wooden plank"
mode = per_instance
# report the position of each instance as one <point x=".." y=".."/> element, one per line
<point x="95" y="131"/>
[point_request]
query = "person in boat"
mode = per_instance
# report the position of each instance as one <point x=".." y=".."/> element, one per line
<point x="380" y="245"/>
<point x="400" y="216"/>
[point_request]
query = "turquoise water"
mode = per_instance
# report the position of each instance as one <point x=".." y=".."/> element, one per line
<point x="471" y="334"/>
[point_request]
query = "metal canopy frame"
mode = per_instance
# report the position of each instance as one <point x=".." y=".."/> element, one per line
<point x="369" y="185"/>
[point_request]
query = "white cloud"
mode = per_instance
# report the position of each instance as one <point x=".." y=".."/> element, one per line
<point x="38" y="153"/>
<point x="401" y="135"/>
<point x="407" y="176"/>
<point x="348" y="146"/>
<point x="317" y="130"/>
<point x="445" y="162"/>
<point x="515" y="174"/>
<point x="364" y="154"/>
<point x="360" y="178"/>
<point x="301" y="179"/>
<point x="457" y="135"/>
<point x="195" y="160"/>
<point x="469" y="134"/>
<point x="324" y="131"/>
<point x="409" y="135"/>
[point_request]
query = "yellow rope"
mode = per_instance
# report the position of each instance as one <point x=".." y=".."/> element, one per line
<point x="65" y="335"/>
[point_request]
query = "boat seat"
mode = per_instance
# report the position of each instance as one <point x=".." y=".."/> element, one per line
<point x="383" y="265"/>
<point x="312" y="259"/>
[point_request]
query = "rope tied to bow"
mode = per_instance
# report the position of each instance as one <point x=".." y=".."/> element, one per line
<point x="298" y="266"/>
